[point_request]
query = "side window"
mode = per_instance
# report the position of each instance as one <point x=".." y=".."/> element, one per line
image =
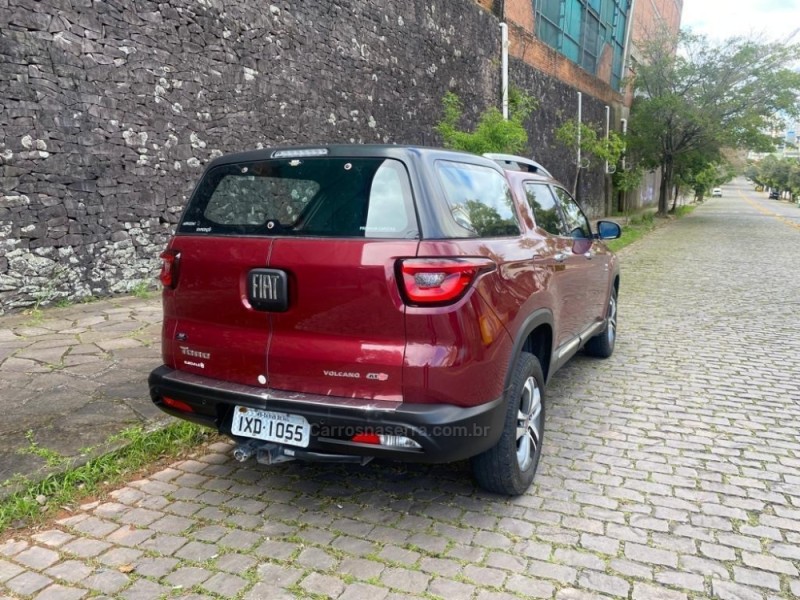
<point x="479" y="200"/>
<point x="388" y="212"/>
<point x="545" y="211"/>
<point x="577" y="224"/>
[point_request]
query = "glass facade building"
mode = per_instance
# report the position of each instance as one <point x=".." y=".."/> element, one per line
<point x="583" y="30"/>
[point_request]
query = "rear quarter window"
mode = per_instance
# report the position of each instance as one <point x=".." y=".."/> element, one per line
<point x="326" y="197"/>
<point x="479" y="200"/>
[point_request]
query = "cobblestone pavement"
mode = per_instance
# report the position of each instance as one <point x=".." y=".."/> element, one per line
<point x="671" y="471"/>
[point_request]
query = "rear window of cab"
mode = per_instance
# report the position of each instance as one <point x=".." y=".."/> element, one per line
<point x="316" y="197"/>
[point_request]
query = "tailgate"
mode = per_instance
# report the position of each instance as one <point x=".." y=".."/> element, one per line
<point x="216" y="331"/>
<point x="344" y="332"/>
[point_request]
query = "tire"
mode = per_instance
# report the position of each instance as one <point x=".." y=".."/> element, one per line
<point x="509" y="466"/>
<point x="602" y="345"/>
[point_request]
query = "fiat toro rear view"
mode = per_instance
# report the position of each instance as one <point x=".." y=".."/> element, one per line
<point x="343" y="303"/>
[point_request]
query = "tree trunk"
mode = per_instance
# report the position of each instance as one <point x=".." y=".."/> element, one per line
<point x="665" y="187"/>
<point x="675" y="199"/>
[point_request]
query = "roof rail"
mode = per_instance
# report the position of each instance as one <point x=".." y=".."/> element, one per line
<point x="518" y="163"/>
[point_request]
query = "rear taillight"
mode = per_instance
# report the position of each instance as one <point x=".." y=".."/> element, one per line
<point x="169" y="268"/>
<point x="439" y="280"/>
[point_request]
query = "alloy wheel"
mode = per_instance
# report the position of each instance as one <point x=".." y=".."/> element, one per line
<point x="612" y="319"/>
<point x="529" y="423"/>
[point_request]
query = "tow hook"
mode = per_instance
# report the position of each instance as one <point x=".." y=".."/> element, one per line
<point x="272" y="454"/>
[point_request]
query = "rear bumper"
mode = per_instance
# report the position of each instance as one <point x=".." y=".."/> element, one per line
<point x="445" y="432"/>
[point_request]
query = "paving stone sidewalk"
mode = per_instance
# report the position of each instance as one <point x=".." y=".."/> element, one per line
<point x="71" y="377"/>
<point x="671" y="471"/>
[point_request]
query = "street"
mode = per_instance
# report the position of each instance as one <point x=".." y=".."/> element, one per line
<point x="670" y="471"/>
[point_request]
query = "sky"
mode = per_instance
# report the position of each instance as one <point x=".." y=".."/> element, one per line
<point x="720" y="19"/>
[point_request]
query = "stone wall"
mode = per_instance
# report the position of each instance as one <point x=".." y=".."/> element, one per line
<point x="110" y="109"/>
<point x="558" y="103"/>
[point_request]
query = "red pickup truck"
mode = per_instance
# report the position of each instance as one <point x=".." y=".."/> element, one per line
<point x="347" y="302"/>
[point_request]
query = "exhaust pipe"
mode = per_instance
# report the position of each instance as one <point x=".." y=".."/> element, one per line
<point x="242" y="452"/>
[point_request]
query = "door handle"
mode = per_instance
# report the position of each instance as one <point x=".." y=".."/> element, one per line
<point x="560" y="257"/>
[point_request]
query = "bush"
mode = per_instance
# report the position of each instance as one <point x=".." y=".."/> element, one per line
<point x="493" y="133"/>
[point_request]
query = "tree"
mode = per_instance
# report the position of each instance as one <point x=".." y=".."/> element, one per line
<point x="701" y="175"/>
<point x="493" y="133"/>
<point x="699" y="172"/>
<point x="778" y="173"/>
<point x="594" y="148"/>
<point x="705" y="97"/>
<point x="751" y="172"/>
<point x="794" y="179"/>
<point x="625" y="181"/>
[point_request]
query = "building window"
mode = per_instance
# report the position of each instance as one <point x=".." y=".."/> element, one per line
<point x="588" y="32"/>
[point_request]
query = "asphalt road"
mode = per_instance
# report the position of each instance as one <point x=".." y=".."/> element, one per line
<point x="670" y="471"/>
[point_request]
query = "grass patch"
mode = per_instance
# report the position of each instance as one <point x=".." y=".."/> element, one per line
<point x="683" y="210"/>
<point x="142" y="290"/>
<point x="50" y="457"/>
<point x="636" y="228"/>
<point x="37" y="501"/>
<point x="72" y="301"/>
<point x="642" y="224"/>
<point x="35" y="316"/>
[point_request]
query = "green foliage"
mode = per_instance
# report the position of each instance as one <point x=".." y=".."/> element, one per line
<point x="37" y="500"/>
<point x="781" y="173"/>
<point x="626" y="180"/>
<point x="684" y="210"/>
<point x="50" y="457"/>
<point x="794" y="179"/>
<point x="636" y="228"/>
<point x="704" y="97"/>
<point x="751" y="172"/>
<point x="34" y="314"/>
<point x="700" y="175"/>
<point x="595" y="148"/>
<point x="493" y="133"/>
<point x="142" y="290"/>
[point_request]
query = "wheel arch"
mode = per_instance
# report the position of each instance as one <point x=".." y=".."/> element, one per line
<point x="536" y="337"/>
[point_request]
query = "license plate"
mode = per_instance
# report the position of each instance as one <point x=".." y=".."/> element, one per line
<point x="268" y="289"/>
<point x="270" y="426"/>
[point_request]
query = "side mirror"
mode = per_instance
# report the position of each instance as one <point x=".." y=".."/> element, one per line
<point x="608" y="230"/>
